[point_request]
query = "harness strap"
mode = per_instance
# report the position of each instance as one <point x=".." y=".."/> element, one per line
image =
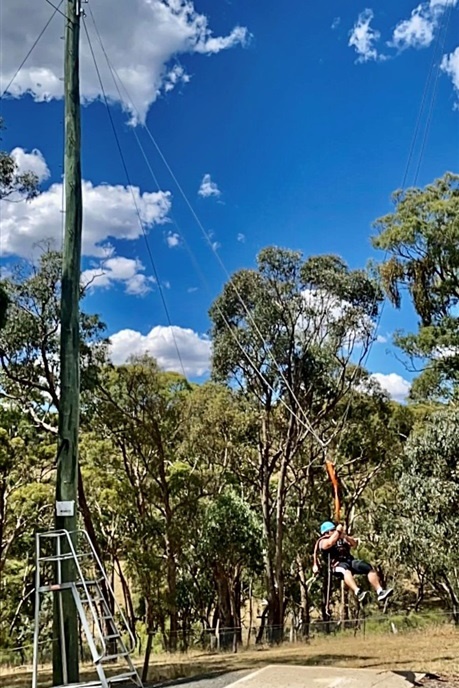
<point x="316" y="549"/>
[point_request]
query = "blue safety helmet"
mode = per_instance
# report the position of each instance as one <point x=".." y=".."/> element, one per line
<point x="326" y="526"/>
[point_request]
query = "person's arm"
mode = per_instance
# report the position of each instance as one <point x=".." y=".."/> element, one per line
<point x="332" y="539"/>
<point x="352" y="541"/>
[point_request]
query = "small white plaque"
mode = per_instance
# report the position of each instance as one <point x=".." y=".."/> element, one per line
<point x="65" y="508"/>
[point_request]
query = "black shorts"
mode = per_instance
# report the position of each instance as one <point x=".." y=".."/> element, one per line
<point x="355" y="565"/>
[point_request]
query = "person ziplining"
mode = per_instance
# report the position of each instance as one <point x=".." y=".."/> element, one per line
<point x="337" y="545"/>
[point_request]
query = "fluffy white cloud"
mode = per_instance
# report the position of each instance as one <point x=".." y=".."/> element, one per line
<point x="208" y="188"/>
<point x="141" y="38"/>
<point x="419" y="30"/>
<point x="173" y="239"/>
<point x="159" y="342"/>
<point x="450" y="65"/>
<point x="109" y="212"/>
<point x="31" y="162"/>
<point x="395" y="385"/>
<point x="324" y="311"/>
<point x="416" y="32"/>
<point x="118" y="270"/>
<point x="443" y="3"/>
<point x="363" y="37"/>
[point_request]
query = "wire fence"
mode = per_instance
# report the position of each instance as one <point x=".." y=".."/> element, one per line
<point x="222" y="639"/>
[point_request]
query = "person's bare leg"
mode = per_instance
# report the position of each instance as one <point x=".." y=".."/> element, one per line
<point x="350" y="581"/>
<point x="352" y="584"/>
<point x="374" y="581"/>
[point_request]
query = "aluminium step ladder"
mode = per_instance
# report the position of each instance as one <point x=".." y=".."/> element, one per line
<point x="105" y="639"/>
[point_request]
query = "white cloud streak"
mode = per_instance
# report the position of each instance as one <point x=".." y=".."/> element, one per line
<point x="450" y="65"/>
<point x="363" y="37"/>
<point x="141" y="37"/>
<point x="208" y="188"/>
<point x="118" y="270"/>
<point x="109" y="213"/>
<point x="194" y="349"/>
<point x="173" y="239"/>
<point x="395" y="385"/>
<point x="31" y="162"/>
<point x="418" y="31"/>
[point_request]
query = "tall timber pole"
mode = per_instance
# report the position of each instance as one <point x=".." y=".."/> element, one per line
<point x="65" y="656"/>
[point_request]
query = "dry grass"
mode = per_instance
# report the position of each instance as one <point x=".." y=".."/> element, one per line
<point x="430" y="650"/>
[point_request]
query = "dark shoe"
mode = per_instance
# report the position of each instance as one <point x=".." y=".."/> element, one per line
<point x="384" y="594"/>
<point x="362" y="595"/>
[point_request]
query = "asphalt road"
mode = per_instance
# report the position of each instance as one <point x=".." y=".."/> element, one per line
<point x="209" y="681"/>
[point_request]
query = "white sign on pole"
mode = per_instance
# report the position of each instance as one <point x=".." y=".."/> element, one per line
<point x="65" y="508"/>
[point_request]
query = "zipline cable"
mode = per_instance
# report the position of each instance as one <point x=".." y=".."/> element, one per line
<point x="34" y="45"/>
<point x="137" y="209"/>
<point x="306" y="422"/>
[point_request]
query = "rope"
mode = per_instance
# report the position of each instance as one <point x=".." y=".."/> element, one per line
<point x="34" y="45"/>
<point x="306" y="422"/>
<point x="141" y="224"/>
<point x="442" y="41"/>
<point x="57" y="8"/>
<point x="363" y="360"/>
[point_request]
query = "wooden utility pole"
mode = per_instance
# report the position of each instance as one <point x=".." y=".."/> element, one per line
<point x="65" y="659"/>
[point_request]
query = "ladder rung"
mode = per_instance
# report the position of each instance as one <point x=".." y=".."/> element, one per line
<point x="112" y="636"/>
<point x="91" y="684"/>
<point x="108" y="658"/>
<point x="121" y="677"/>
<point x="56" y="587"/>
<point x="96" y="581"/>
<point x="65" y="557"/>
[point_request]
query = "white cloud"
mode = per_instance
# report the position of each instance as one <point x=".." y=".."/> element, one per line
<point x="381" y="339"/>
<point x="173" y="239"/>
<point x="31" y="162"/>
<point x="419" y="30"/>
<point x="109" y="212"/>
<point x="194" y="349"/>
<point x="118" y="269"/>
<point x="363" y="37"/>
<point x="142" y="37"/>
<point x="443" y="3"/>
<point x="324" y="311"/>
<point x="208" y="188"/>
<point x="450" y="65"/>
<point x="241" y="238"/>
<point x="395" y="385"/>
<point x="416" y="32"/>
<point x="336" y="22"/>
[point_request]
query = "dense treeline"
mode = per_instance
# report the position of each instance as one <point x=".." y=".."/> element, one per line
<point x="203" y="496"/>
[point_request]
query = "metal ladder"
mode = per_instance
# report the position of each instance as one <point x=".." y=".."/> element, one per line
<point x="104" y="639"/>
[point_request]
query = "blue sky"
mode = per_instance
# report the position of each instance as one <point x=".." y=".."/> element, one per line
<point x="298" y="119"/>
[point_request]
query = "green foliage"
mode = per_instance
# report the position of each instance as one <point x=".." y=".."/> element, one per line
<point x="30" y="343"/>
<point x="421" y="239"/>
<point x="232" y="535"/>
<point x="422" y="527"/>
<point x="13" y="183"/>
<point x="290" y="319"/>
<point x="26" y="498"/>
